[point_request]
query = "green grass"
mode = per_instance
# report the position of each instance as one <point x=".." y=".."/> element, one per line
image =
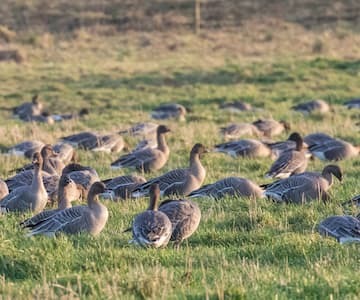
<point x="243" y="249"/>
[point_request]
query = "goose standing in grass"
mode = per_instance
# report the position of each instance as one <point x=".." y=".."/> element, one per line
<point x="26" y="149"/>
<point x="4" y="190"/>
<point x="67" y="192"/>
<point x="90" y="218"/>
<point x="169" y="111"/>
<point x="235" y="131"/>
<point x="345" y="229"/>
<point x="334" y="150"/>
<point x="148" y="159"/>
<point x="152" y="228"/>
<point x="270" y="127"/>
<point x="184" y="216"/>
<point x="179" y="181"/>
<point x="236" y="106"/>
<point x="290" y="162"/>
<point x="121" y="187"/>
<point x="354" y="103"/>
<point x="229" y="187"/>
<point x="314" y="106"/>
<point x="244" y="148"/>
<point x="304" y="187"/>
<point x="31" y="197"/>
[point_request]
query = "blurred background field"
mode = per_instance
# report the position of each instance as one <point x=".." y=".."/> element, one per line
<point x="121" y="59"/>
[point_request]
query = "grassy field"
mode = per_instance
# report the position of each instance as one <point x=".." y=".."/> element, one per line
<point x="243" y="249"/>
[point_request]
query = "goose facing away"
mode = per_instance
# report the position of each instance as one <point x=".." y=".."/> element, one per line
<point x="152" y="228"/>
<point x="229" y="187"/>
<point x="270" y="127"/>
<point x="184" y="216"/>
<point x="26" y="149"/>
<point x="244" y="148"/>
<point x="89" y="218"/>
<point x="179" y="181"/>
<point x="334" y="150"/>
<point x="304" y="187"/>
<point x="234" y="131"/>
<point x="67" y="192"/>
<point x="345" y="229"/>
<point x="314" y="106"/>
<point x="30" y="197"/>
<point x="148" y="159"/>
<point x="169" y="111"/>
<point x="290" y="162"/>
<point x="121" y="187"/>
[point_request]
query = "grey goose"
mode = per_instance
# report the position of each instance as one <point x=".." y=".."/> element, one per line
<point x="229" y="187"/>
<point x="26" y="148"/>
<point x="152" y="228"/>
<point x="121" y="187"/>
<point x="314" y="106"/>
<point x="270" y="127"/>
<point x="249" y="148"/>
<point x="237" y="130"/>
<point x="90" y="218"/>
<point x="179" y="181"/>
<point x="169" y="111"/>
<point x="28" y="110"/>
<point x="236" y="106"/>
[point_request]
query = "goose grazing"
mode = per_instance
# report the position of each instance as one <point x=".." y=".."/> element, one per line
<point x="334" y="150"/>
<point x="229" y="187"/>
<point x="345" y="229"/>
<point x="4" y="191"/>
<point x="245" y="148"/>
<point x="236" y="106"/>
<point x="27" y="110"/>
<point x="83" y="176"/>
<point x="26" y="149"/>
<point x="179" y="181"/>
<point x="31" y="197"/>
<point x="270" y="127"/>
<point x="67" y="192"/>
<point x="169" y="111"/>
<point x="234" y="131"/>
<point x="354" y="103"/>
<point x="304" y="187"/>
<point x="148" y="159"/>
<point x="90" y="218"/>
<point x="152" y="228"/>
<point x="184" y="216"/>
<point x="121" y="187"/>
<point x="315" y="106"/>
<point x="290" y="162"/>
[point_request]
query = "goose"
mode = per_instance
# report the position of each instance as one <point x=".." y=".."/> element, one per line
<point x="290" y="144"/>
<point x="178" y="181"/>
<point x="245" y="148"/>
<point x="229" y="187"/>
<point x="345" y="229"/>
<point x="354" y="103"/>
<point x="169" y="111"/>
<point x="318" y="106"/>
<point x="149" y="159"/>
<point x="26" y="148"/>
<point x="3" y="189"/>
<point x="317" y="138"/>
<point x="304" y="187"/>
<point x="234" y="131"/>
<point x="152" y="228"/>
<point x="141" y="129"/>
<point x="289" y="162"/>
<point x="31" y="197"/>
<point x="270" y="127"/>
<point x="67" y="192"/>
<point x="121" y="187"/>
<point x="95" y="142"/>
<point x="90" y="218"/>
<point x="83" y="176"/>
<point x="184" y="216"/>
<point x="29" y="109"/>
<point x="65" y="152"/>
<point x="334" y="150"/>
<point x="236" y="106"/>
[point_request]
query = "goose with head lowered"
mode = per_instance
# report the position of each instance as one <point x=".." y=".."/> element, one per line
<point x="90" y="218"/>
<point x="152" y="228"/>
<point x="290" y="162"/>
<point x="304" y="187"/>
<point x="229" y="187"/>
<point x="29" y="197"/>
<point x="179" y="181"/>
<point x="148" y="159"/>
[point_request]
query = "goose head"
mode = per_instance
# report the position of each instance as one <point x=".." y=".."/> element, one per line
<point x="198" y="149"/>
<point x="162" y="129"/>
<point x="333" y="170"/>
<point x="96" y="189"/>
<point x="37" y="160"/>
<point x="68" y="191"/>
<point x="48" y="151"/>
<point x="296" y="137"/>
<point x="154" y="197"/>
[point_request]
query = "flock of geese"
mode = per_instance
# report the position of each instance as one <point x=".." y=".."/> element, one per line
<point x="55" y="176"/>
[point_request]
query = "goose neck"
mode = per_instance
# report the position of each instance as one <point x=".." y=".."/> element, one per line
<point x="161" y="141"/>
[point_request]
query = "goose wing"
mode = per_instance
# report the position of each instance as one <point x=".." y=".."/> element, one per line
<point x="343" y="228"/>
<point x="287" y="164"/>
